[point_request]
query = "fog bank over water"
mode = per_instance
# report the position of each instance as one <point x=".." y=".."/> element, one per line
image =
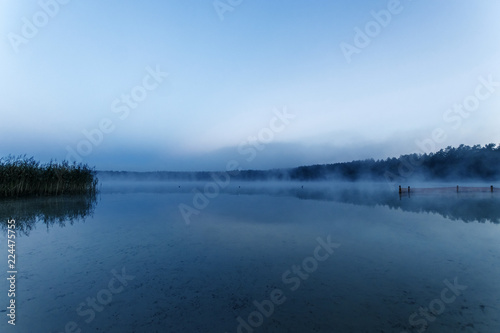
<point x="460" y="164"/>
<point x="263" y="166"/>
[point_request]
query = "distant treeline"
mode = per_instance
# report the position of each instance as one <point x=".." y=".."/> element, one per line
<point x="464" y="163"/>
<point x="22" y="176"/>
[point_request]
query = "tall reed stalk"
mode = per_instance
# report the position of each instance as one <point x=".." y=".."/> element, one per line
<point x="22" y="176"/>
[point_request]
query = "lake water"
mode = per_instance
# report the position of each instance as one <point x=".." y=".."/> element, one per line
<point x="255" y="258"/>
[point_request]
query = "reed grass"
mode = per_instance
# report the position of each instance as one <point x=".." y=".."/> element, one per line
<point x="21" y="176"/>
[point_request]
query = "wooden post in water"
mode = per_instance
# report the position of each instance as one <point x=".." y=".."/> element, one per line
<point x="408" y="189"/>
<point x="399" y="189"/>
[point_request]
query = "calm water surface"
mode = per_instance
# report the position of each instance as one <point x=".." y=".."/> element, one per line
<point x="258" y="258"/>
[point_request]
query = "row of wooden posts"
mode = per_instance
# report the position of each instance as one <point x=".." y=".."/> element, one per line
<point x="458" y="189"/>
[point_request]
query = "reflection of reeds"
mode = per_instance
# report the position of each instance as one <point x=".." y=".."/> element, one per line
<point x="21" y="176"/>
<point x="48" y="210"/>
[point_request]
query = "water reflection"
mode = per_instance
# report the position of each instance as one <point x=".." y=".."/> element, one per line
<point x="48" y="210"/>
<point x="467" y="207"/>
<point x="464" y="206"/>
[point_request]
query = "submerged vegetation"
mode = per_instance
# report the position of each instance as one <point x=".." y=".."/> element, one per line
<point x="22" y="176"/>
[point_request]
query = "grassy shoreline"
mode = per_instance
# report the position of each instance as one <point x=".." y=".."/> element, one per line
<point x="21" y="177"/>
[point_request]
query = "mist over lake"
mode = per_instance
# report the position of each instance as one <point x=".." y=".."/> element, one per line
<point x="237" y="166"/>
<point x="261" y="257"/>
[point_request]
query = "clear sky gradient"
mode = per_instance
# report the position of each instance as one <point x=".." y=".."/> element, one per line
<point x="357" y="79"/>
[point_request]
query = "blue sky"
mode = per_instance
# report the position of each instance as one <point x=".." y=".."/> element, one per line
<point x="227" y="79"/>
